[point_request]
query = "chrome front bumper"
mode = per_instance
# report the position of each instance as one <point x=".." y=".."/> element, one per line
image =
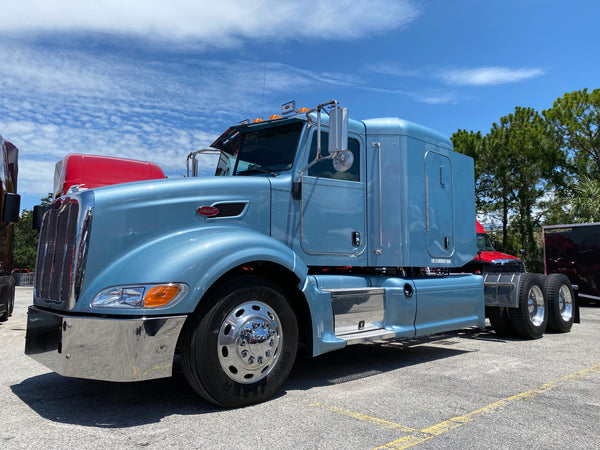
<point x="98" y="348"/>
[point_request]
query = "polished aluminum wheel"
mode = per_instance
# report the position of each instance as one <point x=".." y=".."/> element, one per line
<point x="535" y="305"/>
<point x="249" y="341"/>
<point x="565" y="303"/>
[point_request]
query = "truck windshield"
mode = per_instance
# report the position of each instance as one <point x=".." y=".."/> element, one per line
<point x="484" y="243"/>
<point x="248" y="151"/>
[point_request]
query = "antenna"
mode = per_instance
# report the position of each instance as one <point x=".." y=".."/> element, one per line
<point x="264" y="88"/>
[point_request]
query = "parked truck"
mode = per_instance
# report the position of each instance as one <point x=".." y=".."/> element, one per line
<point x="316" y="230"/>
<point x="10" y="203"/>
<point x="93" y="171"/>
<point x="489" y="258"/>
<point x="574" y="250"/>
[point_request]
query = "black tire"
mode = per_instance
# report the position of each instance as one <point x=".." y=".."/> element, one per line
<point x="500" y="321"/>
<point x="240" y="349"/>
<point x="530" y="318"/>
<point x="3" y="297"/>
<point x="561" y="303"/>
<point x="11" y="299"/>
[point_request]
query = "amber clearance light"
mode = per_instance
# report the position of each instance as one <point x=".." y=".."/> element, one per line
<point x="160" y="295"/>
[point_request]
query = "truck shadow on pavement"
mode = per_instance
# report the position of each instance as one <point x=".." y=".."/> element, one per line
<point x="120" y="405"/>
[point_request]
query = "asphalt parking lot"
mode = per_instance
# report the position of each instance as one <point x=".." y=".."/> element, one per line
<point x="464" y="390"/>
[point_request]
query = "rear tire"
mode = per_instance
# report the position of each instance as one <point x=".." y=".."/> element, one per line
<point x="242" y="348"/>
<point x="560" y="300"/>
<point x="500" y="321"/>
<point x="5" y="297"/>
<point x="530" y="318"/>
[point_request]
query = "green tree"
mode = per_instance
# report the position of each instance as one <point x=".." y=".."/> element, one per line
<point x="586" y="201"/>
<point x="574" y="118"/>
<point x="26" y="239"/>
<point x="530" y="162"/>
<point x="473" y="144"/>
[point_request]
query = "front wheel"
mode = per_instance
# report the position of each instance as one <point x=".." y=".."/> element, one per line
<point x="242" y="349"/>
<point x="530" y="318"/>
<point x="560" y="300"/>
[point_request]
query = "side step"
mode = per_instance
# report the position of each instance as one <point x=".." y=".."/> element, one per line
<point x="361" y="337"/>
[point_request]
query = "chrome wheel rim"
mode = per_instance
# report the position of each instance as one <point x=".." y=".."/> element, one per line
<point x="535" y="306"/>
<point x="565" y="303"/>
<point x="249" y="341"/>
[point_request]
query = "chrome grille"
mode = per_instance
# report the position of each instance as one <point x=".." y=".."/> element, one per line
<point x="56" y="253"/>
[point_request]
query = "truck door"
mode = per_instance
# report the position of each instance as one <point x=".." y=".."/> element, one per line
<point x="440" y="210"/>
<point x="333" y="203"/>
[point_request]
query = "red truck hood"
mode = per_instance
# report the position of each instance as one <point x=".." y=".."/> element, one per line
<point x="493" y="256"/>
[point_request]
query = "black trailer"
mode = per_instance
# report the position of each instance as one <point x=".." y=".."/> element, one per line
<point x="574" y="250"/>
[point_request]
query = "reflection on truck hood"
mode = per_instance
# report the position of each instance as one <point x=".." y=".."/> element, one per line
<point x="494" y="256"/>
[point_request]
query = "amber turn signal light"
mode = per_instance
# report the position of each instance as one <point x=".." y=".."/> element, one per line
<point x="160" y="295"/>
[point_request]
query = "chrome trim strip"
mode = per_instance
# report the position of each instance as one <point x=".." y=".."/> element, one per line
<point x="589" y="296"/>
<point x="379" y="251"/>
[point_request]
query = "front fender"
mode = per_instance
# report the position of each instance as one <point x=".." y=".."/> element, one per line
<point x="197" y="257"/>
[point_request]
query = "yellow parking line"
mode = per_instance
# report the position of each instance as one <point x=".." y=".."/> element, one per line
<point x="362" y="417"/>
<point x="414" y="436"/>
<point x="455" y="422"/>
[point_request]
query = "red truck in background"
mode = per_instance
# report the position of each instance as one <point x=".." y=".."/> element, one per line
<point x="77" y="171"/>
<point x="10" y="203"/>
<point x="488" y="257"/>
<point x="574" y="250"/>
<point x="92" y="171"/>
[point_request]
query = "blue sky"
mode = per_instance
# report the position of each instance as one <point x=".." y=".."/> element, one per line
<point x="154" y="80"/>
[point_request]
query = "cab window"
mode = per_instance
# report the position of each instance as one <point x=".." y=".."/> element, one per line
<point x="325" y="169"/>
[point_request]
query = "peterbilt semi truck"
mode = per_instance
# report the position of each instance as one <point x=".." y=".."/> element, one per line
<point x="10" y="203"/>
<point x="315" y="230"/>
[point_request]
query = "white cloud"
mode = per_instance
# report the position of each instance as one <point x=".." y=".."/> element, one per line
<point x="216" y="23"/>
<point x="393" y="69"/>
<point x="431" y="97"/>
<point x="484" y="76"/>
<point x="60" y="101"/>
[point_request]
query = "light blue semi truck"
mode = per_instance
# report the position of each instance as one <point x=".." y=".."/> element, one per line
<point x="316" y="230"/>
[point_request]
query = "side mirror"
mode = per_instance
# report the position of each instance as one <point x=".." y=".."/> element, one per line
<point x="338" y="129"/>
<point x="12" y="205"/>
<point x="496" y="245"/>
<point x="38" y="215"/>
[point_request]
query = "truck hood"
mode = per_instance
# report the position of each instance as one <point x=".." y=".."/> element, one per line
<point x="492" y="257"/>
<point x="129" y="216"/>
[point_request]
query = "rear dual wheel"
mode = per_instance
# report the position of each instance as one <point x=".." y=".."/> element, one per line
<point x="561" y="304"/>
<point x="242" y="349"/>
<point x="530" y="319"/>
<point x="500" y="321"/>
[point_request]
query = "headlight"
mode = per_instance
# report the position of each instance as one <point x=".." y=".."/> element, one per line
<point x="144" y="296"/>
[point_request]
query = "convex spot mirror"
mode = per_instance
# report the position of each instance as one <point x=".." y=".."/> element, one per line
<point x="342" y="161"/>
